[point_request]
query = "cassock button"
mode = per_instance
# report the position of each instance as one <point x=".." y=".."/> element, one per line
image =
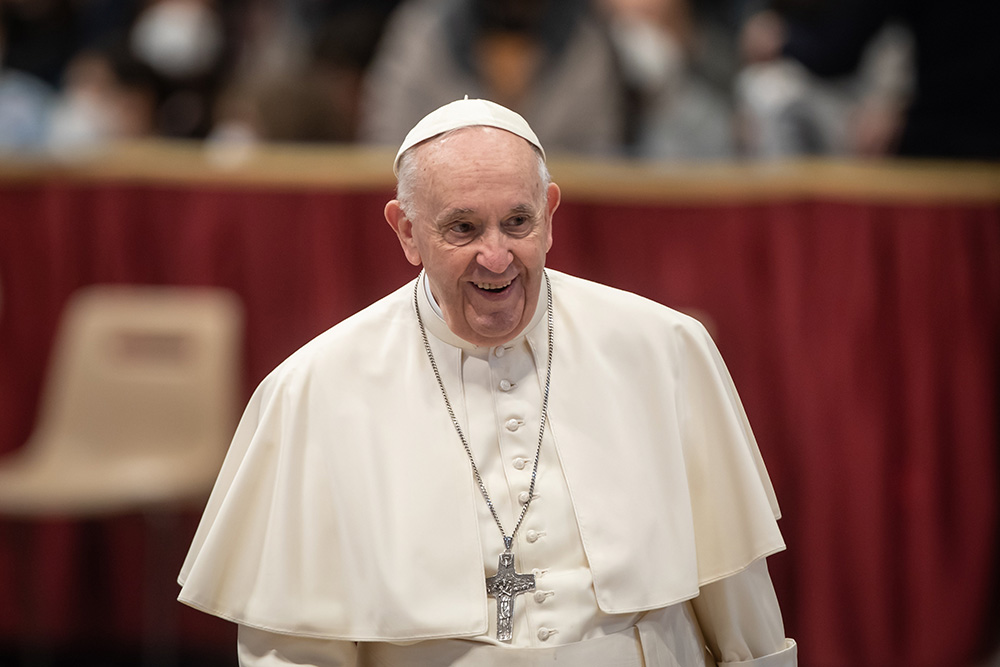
<point x="544" y="633"/>
<point x="523" y="497"/>
<point x="512" y="425"/>
<point x="505" y="385"/>
<point x="531" y="536"/>
<point x="540" y="596"/>
<point x="498" y="350"/>
<point x="519" y="463"/>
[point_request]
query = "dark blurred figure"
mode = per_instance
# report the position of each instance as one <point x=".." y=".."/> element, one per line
<point x="188" y="46"/>
<point x="597" y="77"/>
<point x="106" y="95"/>
<point x="40" y="37"/>
<point x="285" y="109"/>
<point x="343" y="50"/>
<point x="550" y="60"/>
<point x="25" y="102"/>
<point x="298" y="71"/>
<point x="955" y="99"/>
<point x="675" y="109"/>
<point x="60" y="83"/>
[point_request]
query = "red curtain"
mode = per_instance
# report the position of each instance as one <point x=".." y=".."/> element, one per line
<point x="862" y="335"/>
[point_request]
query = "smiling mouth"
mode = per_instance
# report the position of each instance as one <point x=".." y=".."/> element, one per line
<point x="493" y="288"/>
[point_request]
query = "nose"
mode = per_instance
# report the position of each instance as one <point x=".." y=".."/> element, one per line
<point x="494" y="253"/>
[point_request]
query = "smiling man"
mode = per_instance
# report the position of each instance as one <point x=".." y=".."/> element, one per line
<point x="480" y="226"/>
<point x="497" y="464"/>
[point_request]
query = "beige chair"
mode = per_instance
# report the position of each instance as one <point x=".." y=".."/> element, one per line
<point x="136" y="414"/>
<point x="138" y="407"/>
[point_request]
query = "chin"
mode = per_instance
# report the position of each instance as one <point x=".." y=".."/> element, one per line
<point x="498" y="335"/>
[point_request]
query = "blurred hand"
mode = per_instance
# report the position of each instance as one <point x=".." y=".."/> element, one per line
<point x="876" y="127"/>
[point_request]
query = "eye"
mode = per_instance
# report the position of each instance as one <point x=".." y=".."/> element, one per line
<point x="459" y="232"/>
<point x="519" y="225"/>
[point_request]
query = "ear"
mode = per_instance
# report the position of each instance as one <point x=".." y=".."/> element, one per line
<point x="554" y="197"/>
<point x="403" y="227"/>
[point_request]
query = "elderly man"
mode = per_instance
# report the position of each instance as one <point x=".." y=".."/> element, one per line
<point x="497" y="464"/>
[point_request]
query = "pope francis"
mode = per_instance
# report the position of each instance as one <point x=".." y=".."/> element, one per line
<point x="497" y="464"/>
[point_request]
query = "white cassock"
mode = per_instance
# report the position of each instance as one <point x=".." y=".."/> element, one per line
<point x="346" y="525"/>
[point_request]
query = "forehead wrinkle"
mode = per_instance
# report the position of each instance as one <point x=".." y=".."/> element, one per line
<point x="432" y="161"/>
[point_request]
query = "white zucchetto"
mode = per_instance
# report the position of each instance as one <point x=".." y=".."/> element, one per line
<point x="466" y="113"/>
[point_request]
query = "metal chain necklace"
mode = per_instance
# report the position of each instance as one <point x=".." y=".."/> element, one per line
<point x="506" y="583"/>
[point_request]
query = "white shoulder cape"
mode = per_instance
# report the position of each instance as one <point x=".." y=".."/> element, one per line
<point x="346" y="507"/>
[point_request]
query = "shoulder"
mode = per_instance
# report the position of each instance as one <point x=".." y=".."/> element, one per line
<point x="583" y="299"/>
<point x="355" y="345"/>
<point x="625" y="330"/>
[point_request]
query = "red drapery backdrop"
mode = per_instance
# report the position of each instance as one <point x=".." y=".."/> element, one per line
<point x="862" y="334"/>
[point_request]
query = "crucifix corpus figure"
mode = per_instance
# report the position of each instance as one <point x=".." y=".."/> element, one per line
<point x="503" y="586"/>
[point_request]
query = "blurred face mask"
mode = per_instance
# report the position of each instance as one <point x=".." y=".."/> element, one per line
<point x="650" y="56"/>
<point x="178" y="38"/>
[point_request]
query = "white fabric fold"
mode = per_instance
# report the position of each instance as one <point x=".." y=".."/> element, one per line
<point x="344" y="510"/>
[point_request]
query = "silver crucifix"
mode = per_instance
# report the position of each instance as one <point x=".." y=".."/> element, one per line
<point x="503" y="586"/>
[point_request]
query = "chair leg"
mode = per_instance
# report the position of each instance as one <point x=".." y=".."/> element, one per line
<point x="35" y="650"/>
<point x="160" y="646"/>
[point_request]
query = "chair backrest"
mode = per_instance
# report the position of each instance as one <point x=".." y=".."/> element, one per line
<point x="144" y="373"/>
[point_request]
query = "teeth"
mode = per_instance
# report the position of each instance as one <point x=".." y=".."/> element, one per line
<point x="488" y="286"/>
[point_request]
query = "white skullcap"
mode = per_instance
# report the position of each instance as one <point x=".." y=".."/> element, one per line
<point x="466" y="113"/>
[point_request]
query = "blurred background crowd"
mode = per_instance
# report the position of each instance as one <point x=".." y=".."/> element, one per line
<point x="656" y="79"/>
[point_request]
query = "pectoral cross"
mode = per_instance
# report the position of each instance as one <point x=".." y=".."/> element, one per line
<point x="503" y="586"/>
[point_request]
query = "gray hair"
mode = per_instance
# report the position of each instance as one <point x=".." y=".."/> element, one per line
<point x="407" y="175"/>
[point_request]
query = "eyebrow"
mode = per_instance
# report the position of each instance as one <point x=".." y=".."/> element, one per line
<point x="453" y="214"/>
<point x="524" y="209"/>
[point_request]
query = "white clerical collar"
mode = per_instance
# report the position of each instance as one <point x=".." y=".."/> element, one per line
<point x="436" y="325"/>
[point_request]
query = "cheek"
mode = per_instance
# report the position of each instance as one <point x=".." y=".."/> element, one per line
<point x="449" y="263"/>
<point x="532" y="251"/>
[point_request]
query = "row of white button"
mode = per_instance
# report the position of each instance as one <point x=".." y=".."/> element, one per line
<point x="540" y="597"/>
<point x="520" y="463"/>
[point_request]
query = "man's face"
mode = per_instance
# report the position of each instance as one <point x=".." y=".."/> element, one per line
<point x="481" y="227"/>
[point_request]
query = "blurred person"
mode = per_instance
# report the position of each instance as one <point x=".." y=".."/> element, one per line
<point x="25" y="102"/>
<point x="36" y="41"/>
<point x="676" y="113"/>
<point x="294" y="82"/>
<point x="550" y="60"/>
<point x="788" y="110"/>
<point x="278" y="108"/>
<point x="269" y="40"/>
<point x="107" y="95"/>
<point x="370" y="509"/>
<point x="186" y="44"/>
<point x="344" y="47"/>
<point x="25" y="106"/>
<point x="951" y="108"/>
<point x="41" y="44"/>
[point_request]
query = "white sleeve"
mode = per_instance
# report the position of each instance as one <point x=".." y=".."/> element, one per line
<point x="741" y="621"/>
<point x="259" y="648"/>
